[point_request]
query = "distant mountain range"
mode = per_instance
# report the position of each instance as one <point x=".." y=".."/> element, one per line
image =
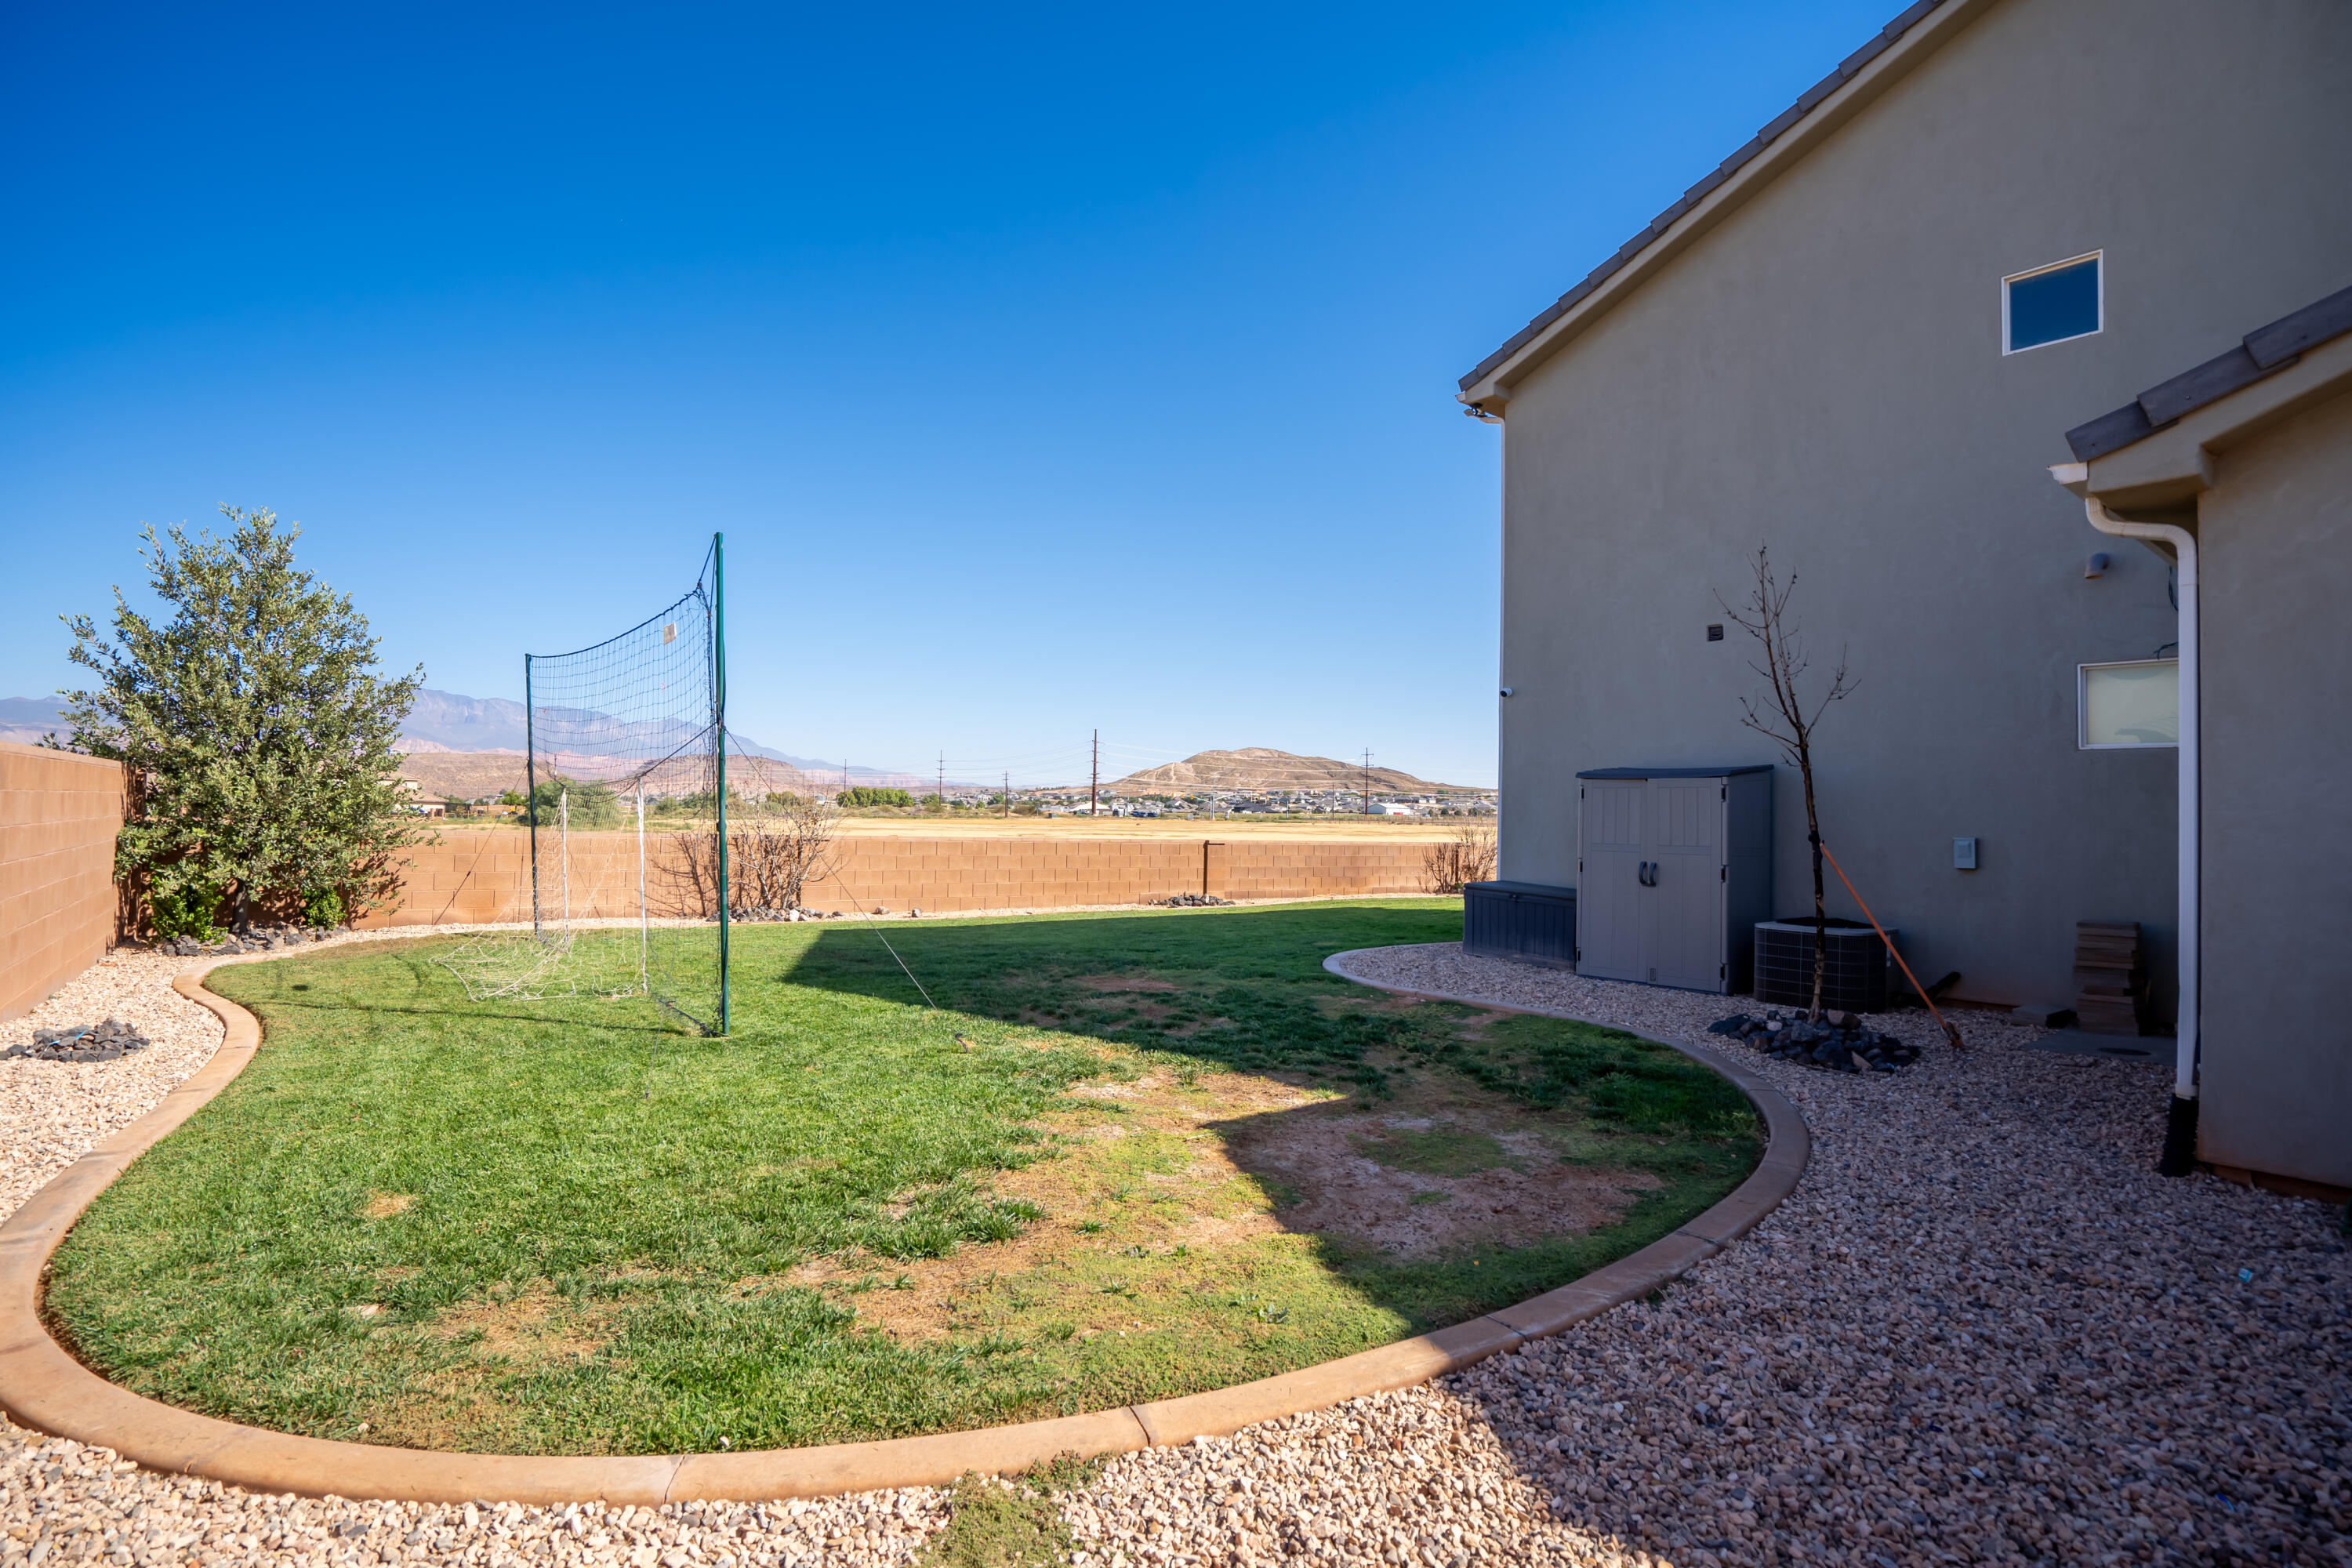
<point x="468" y="747"/>
<point x="451" y="722"/>
<point x="25" y="719"/>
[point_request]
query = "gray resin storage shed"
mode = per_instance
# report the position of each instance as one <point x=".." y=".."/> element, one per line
<point x="1674" y="870"/>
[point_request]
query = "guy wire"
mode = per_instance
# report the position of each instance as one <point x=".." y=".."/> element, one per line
<point x="834" y="872"/>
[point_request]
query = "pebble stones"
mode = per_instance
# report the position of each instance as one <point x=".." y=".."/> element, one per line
<point x="1982" y="1330"/>
<point x="89" y="1042"/>
<point x="1194" y="902"/>
<point x="1840" y="1044"/>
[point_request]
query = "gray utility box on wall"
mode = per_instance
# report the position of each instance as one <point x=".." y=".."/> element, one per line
<point x="1530" y="922"/>
<point x="1674" y="870"/>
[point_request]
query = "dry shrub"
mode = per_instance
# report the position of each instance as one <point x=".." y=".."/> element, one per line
<point x="1467" y="857"/>
<point x="775" y="852"/>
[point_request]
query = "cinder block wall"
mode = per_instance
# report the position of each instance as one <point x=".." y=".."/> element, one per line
<point x="60" y="813"/>
<point x="485" y="876"/>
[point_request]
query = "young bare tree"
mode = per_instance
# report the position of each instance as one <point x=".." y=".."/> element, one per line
<point x="1787" y="717"/>
<point x="1467" y="857"/>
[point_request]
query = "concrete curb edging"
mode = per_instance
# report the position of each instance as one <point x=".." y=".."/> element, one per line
<point x="43" y="1387"/>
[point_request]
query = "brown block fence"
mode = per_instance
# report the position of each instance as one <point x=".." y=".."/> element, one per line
<point x="486" y="876"/>
<point x="59" y="813"/>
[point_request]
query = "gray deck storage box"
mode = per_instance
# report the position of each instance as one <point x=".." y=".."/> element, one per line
<point x="1674" y="870"/>
<point x="1858" y="977"/>
<point x="1531" y="923"/>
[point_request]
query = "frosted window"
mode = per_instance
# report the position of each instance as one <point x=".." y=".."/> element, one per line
<point x="2135" y="704"/>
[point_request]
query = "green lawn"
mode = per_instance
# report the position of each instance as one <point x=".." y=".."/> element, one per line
<point x="565" y="1226"/>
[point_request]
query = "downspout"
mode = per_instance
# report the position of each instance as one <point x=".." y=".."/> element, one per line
<point x="2181" y="1129"/>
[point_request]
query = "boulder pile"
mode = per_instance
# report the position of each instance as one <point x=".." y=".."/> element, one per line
<point x="1194" y="902"/>
<point x="1843" y="1044"/>
<point x="89" y="1043"/>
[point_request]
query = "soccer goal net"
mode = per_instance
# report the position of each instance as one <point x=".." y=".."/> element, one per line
<point x="626" y="807"/>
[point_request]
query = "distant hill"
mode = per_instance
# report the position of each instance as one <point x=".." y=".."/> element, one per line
<point x="1263" y="768"/>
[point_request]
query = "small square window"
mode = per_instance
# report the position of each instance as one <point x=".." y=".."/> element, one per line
<point x="2050" y="304"/>
<point x="2129" y="705"/>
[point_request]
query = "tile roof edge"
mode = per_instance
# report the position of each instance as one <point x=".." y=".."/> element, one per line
<point x="2267" y="349"/>
<point x="1774" y="129"/>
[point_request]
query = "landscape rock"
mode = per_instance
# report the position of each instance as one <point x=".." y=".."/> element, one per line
<point x="1845" y="1045"/>
<point x="103" y="1042"/>
<point x="1982" y="1330"/>
<point x="249" y="939"/>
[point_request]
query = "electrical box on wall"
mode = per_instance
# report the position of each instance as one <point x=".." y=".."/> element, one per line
<point x="1964" y="854"/>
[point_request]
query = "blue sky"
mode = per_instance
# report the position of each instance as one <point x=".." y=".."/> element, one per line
<point x="1048" y="368"/>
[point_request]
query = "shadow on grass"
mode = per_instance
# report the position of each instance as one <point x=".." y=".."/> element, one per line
<point x="1613" y="1141"/>
<point x="556" y="1226"/>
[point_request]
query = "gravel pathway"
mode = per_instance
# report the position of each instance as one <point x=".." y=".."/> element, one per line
<point x="1980" y="1331"/>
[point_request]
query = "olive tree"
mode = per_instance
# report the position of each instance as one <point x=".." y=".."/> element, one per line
<point x="256" y="735"/>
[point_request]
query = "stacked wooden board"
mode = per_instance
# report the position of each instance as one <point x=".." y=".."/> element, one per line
<point x="2110" y="977"/>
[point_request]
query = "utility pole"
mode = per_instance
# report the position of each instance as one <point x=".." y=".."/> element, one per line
<point x="943" y="781"/>
<point x="1094" y="785"/>
<point x="1367" y="780"/>
<point x="1008" y="793"/>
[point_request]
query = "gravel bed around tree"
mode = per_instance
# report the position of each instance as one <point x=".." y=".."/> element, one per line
<point x="1982" y="1330"/>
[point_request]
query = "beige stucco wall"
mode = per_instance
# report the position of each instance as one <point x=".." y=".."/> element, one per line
<point x="60" y="813"/>
<point x="1823" y="372"/>
<point x="485" y="876"/>
<point x="2276" y="543"/>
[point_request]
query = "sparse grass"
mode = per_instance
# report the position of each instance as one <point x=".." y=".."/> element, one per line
<point x="581" y="1232"/>
<point x="999" y="1524"/>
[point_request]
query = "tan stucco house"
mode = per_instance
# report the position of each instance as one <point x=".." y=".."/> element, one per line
<point x="2237" y="471"/>
<point x="1863" y="340"/>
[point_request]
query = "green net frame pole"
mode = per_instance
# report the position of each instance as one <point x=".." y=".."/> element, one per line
<point x="719" y="685"/>
<point x="531" y="791"/>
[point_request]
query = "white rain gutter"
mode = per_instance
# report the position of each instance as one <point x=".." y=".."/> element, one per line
<point x="2184" y="551"/>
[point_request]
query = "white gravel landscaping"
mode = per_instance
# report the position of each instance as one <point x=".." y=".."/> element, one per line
<point x="1982" y="1330"/>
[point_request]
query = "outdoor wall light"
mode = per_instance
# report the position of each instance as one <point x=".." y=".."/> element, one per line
<point x="2096" y="566"/>
<point x="1506" y="691"/>
<point x="1964" y="854"/>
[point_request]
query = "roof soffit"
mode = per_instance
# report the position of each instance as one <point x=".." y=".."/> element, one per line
<point x="2177" y="463"/>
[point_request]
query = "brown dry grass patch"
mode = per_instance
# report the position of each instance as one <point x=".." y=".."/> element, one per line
<point x="1199" y="1174"/>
